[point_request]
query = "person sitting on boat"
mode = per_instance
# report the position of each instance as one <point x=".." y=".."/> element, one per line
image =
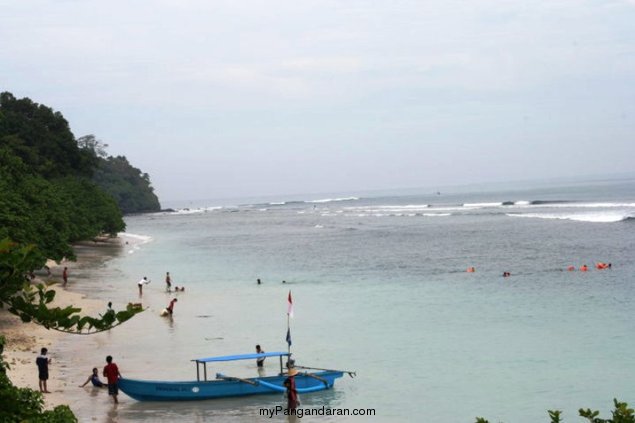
<point x="293" y="401"/>
<point x="94" y="379"/>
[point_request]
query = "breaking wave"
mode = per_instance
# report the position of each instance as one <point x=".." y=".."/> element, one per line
<point x="606" y="217"/>
<point x="333" y="200"/>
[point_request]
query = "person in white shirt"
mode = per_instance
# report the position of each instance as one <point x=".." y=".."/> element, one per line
<point x="142" y="282"/>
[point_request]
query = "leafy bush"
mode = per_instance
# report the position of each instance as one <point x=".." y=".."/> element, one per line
<point x="621" y="414"/>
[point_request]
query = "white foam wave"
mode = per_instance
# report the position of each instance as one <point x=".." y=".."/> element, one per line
<point x="134" y="240"/>
<point x="389" y="210"/>
<point x="606" y="217"/>
<point x="586" y="205"/>
<point x="197" y="210"/>
<point x="479" y="205"/>
<point x="394" y="214"/>
<point x="409" y="206"/>
<point x="331" y="200"/>
<point x="140" y="239"/>
<point x="522" y="203"/>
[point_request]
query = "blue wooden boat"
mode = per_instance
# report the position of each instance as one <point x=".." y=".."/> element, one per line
<point x="227" y="386"/>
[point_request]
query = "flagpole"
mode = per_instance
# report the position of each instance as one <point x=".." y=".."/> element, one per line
<point x="289" y="315"/>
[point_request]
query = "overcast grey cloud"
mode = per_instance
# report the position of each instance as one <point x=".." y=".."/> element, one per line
<point x="227" y="98"/>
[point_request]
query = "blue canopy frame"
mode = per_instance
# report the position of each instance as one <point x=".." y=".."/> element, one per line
<point x="235" y="357"/>
<point x="241" y="356"/>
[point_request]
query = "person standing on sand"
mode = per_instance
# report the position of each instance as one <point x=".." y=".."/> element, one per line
<point x="43" y="369"/>
<point x="111" y="372"/>
<point x="142" y="282"/>
<point x="168" y="282"/>
<point x="65" y="276"/>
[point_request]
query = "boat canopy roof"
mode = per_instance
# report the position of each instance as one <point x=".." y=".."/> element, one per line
<point x="241" y="357"/>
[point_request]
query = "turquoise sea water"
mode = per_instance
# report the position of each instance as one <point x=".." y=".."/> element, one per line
<point x="380" y="287"/>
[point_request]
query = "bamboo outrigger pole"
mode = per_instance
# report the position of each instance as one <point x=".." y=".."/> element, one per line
<point x="349" y="372"/>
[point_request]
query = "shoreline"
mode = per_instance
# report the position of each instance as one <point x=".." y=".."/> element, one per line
<point x="24" y="340"/>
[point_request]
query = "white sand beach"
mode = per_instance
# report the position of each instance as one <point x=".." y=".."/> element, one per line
<point x="24" y="340"/>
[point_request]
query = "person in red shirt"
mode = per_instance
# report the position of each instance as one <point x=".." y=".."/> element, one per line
<point x="170" y="307"/>
<point x="111" y="372"/>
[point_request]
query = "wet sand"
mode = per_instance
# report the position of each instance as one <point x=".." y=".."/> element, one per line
<point x="68" y="351"/>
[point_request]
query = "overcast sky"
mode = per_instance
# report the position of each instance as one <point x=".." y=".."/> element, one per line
<point x="243" y="98"/>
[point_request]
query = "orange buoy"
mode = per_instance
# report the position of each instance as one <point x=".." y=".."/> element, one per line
<point x="571" y="268"/>
<point x="583" y="268"/>
<point x="471" y="270"/>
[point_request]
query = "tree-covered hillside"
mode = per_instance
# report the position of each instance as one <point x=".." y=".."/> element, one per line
<point x="129" y="186"/>
<point x="48" y="191"/>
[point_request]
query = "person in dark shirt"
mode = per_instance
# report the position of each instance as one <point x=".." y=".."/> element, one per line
<point x="94" y="379"/>
<point x="260" y="361"/>
<point x="168" y="282"/>
<point x="43" y="369"/>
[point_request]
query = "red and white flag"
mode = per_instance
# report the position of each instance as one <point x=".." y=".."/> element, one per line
<point x="290" y="309"/>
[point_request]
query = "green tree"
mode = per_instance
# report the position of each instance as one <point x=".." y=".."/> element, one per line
<point x="52" y="214"/>
<point x="42" y="138"/>
<point x="130" y="187"/>
<point x="96" y="147"/>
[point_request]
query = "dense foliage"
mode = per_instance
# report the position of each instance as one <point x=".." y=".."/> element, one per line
<point x="130" y="188"/>
<point x="47" y="197"/>
<point x="42" y="138"/>
<point x="47" y="201"/>
<point x="621" y="414"/>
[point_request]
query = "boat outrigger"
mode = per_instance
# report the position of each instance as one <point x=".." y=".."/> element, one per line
<point x="227" y="386"/>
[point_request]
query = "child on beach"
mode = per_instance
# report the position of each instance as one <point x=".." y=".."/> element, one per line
<point x="43" y="369"/>
<point x="94" y="379"/>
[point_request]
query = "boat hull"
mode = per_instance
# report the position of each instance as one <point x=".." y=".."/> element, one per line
<point x="147" y="390"/>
